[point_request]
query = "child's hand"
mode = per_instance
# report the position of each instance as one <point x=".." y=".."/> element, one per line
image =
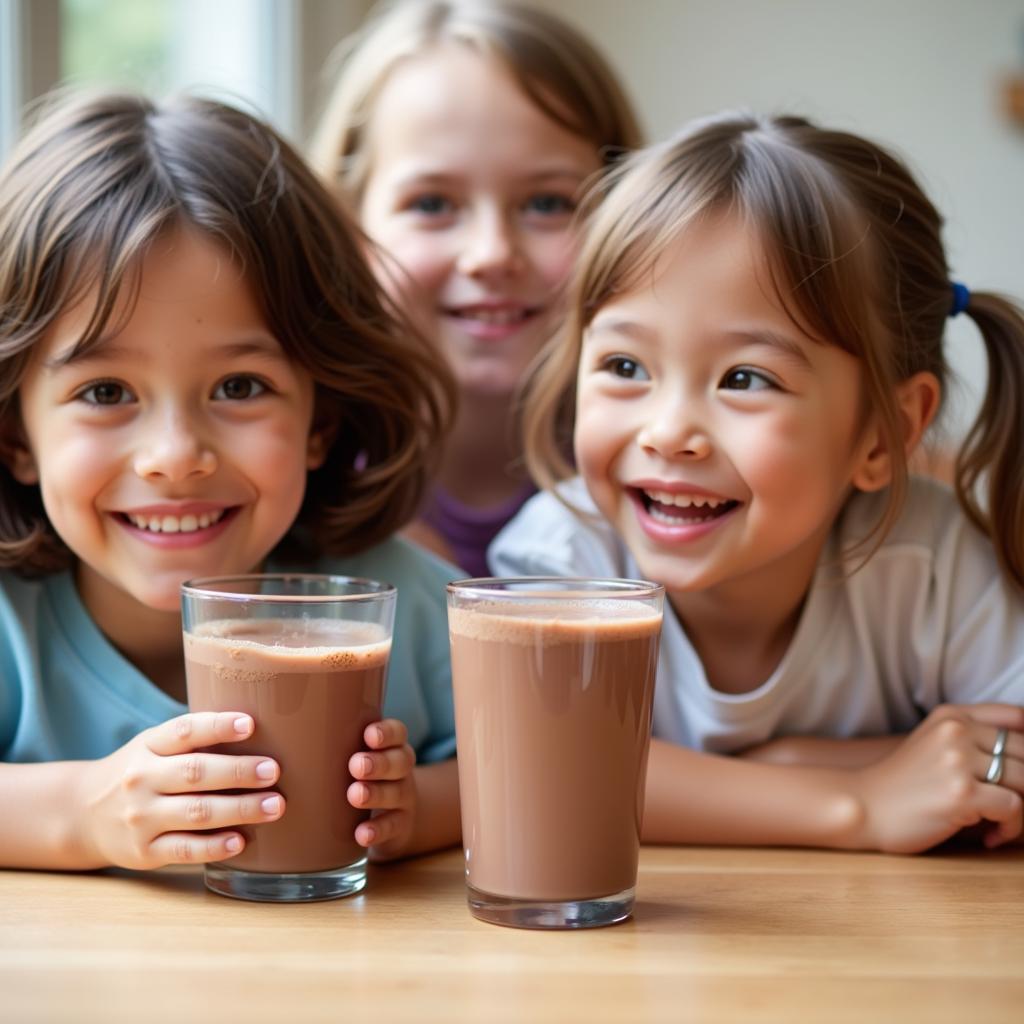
<point x="384" y="784"/>
<point x="933" y="784"/>
<point x="152" y="803"/>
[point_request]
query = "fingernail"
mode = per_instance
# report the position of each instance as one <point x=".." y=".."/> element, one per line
<point x="365" y="764"/>
<point x="271" y="805"/>
<point x="371" y="834"/>
<point x="243" y="724"/>
<point x="378" y="734"/>
<point x="233" y="845"/>
<point x="266" y="770"/>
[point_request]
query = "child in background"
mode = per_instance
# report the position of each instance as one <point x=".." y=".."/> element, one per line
<point x="755" y="335"/>
<point x="461" y="134"/>
<point x="200" y="377"/>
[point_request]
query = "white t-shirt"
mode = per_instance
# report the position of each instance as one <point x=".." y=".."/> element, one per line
<point x="928" y="620"/>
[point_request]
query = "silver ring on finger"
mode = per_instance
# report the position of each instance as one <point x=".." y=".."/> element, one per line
<point x="999" y="747"/>
<point x="995" y="768"/>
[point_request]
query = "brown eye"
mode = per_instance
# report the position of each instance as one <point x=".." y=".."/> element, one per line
<point x="623" y="366"/>
<point x="106" y="392"/>
<point x="742" y="379"/>
<point x="239" y="388"/>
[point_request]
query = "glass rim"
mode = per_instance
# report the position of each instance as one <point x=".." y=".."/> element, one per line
<point x="207" y="587"/>
<point x="560" y="587"/>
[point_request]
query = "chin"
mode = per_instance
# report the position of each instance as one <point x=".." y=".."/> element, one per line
<point x="161" y="595"/>
<point x="492" y="386"/>
<point x="163" y="602"/>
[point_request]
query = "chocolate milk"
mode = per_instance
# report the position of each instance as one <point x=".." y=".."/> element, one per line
<point x="311" y="687"/>
<point x="553" y="713"/>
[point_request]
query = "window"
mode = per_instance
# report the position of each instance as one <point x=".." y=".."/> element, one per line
<point x="240" y="50"/>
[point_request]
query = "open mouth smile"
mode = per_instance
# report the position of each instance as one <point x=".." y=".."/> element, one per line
<point x="682" y="509"/>
<point x="170" y="530"/>
<point x="496" y="316"/>
<point x="492" y="322"/>
<point x="174" y="524"/>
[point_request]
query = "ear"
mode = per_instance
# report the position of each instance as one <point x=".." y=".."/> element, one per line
<point x="16" y="455"/>
<point x="321" y="437"/>
<point x="917" y="400"/>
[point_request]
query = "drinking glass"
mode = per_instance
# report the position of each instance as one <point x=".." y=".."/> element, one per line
<point x="306" y="656"/>
<point x="554" y="684"/>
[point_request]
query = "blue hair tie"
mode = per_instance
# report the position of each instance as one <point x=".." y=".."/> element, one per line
<point x="961" y="296"/>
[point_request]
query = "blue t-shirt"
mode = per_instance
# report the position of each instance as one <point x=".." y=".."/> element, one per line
<point x="67" y="694"/>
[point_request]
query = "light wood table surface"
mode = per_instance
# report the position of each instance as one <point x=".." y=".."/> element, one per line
<point x="718" y="935"/>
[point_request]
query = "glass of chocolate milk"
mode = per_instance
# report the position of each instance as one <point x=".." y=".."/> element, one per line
<point x="305" y="655"/>
<point x="554" y="685"/>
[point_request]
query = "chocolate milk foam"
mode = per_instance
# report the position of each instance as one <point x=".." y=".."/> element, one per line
<point x="553" y="714"/>
<point x="311" y="687"/>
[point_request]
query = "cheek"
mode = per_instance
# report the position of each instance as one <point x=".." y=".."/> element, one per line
<point x="553" y="258"/>
<point x="795" y="456"/>
<point x="280" y="450"/>
<point x="74" y="475"/>
<point x="595" y="440"/>
<point x="410" y="267"/>
<point x="74" y="465"/>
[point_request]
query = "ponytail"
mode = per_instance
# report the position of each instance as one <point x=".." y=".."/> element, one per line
<point x="990" y="465"/>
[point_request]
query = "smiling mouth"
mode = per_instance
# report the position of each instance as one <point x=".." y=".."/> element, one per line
<point x="495" y="317"/>
<point x="683" y="509"/>
<point x="175" y="524"/>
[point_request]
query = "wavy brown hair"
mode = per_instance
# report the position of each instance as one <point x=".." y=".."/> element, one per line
<point x="855" y="254"/>
<point x="565" y="77"/>
<point x="82" y="199"/>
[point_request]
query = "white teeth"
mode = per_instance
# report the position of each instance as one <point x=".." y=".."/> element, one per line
<point x="175" y="524"/>
<point x="685" y="500"/>
<point x="674" y="520"/>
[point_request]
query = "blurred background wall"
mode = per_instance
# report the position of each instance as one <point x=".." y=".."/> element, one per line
<point x="925" y="76"/>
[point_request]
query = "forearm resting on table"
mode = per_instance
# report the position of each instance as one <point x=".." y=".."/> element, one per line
<point x="39" y="817"/>
<point x="708" y="799"/>
<point x="824" y="751"/>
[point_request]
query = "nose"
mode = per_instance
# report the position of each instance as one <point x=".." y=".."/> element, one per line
<point x="492" y="246"/>
<point x="171" y="448"/>
<point x="673" y="432"/>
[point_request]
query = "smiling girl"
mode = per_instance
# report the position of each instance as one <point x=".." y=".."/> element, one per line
<point x="461" y="134"/>
<point x="199" y="377"/>
<point x="755" y="339"/>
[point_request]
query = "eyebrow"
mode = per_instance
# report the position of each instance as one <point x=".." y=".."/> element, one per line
<point x="434" y="177"/>
<point x="773" y="340"/>
<point x="105" y="349"/>
<point x="621" y="325"/>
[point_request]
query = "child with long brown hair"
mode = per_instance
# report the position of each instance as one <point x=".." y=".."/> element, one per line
<point x="754" y="348"/>
<point x="200" y="377"/>
<point x="461" y="132"/>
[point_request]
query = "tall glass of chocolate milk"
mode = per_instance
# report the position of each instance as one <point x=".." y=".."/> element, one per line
<point x="554" y="685"/>
<point x="305" y="655"/>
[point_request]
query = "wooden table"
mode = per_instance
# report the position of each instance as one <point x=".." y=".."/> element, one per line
<point x="718" y="935"/>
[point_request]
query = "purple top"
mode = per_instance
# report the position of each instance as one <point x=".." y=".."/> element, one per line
<point x="468" y="530"/>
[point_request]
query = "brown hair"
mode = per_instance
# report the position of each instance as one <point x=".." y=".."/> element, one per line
<point x="855" y="254"/>
<point x="83" y="197"/>
<point x="557" y="68"/>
